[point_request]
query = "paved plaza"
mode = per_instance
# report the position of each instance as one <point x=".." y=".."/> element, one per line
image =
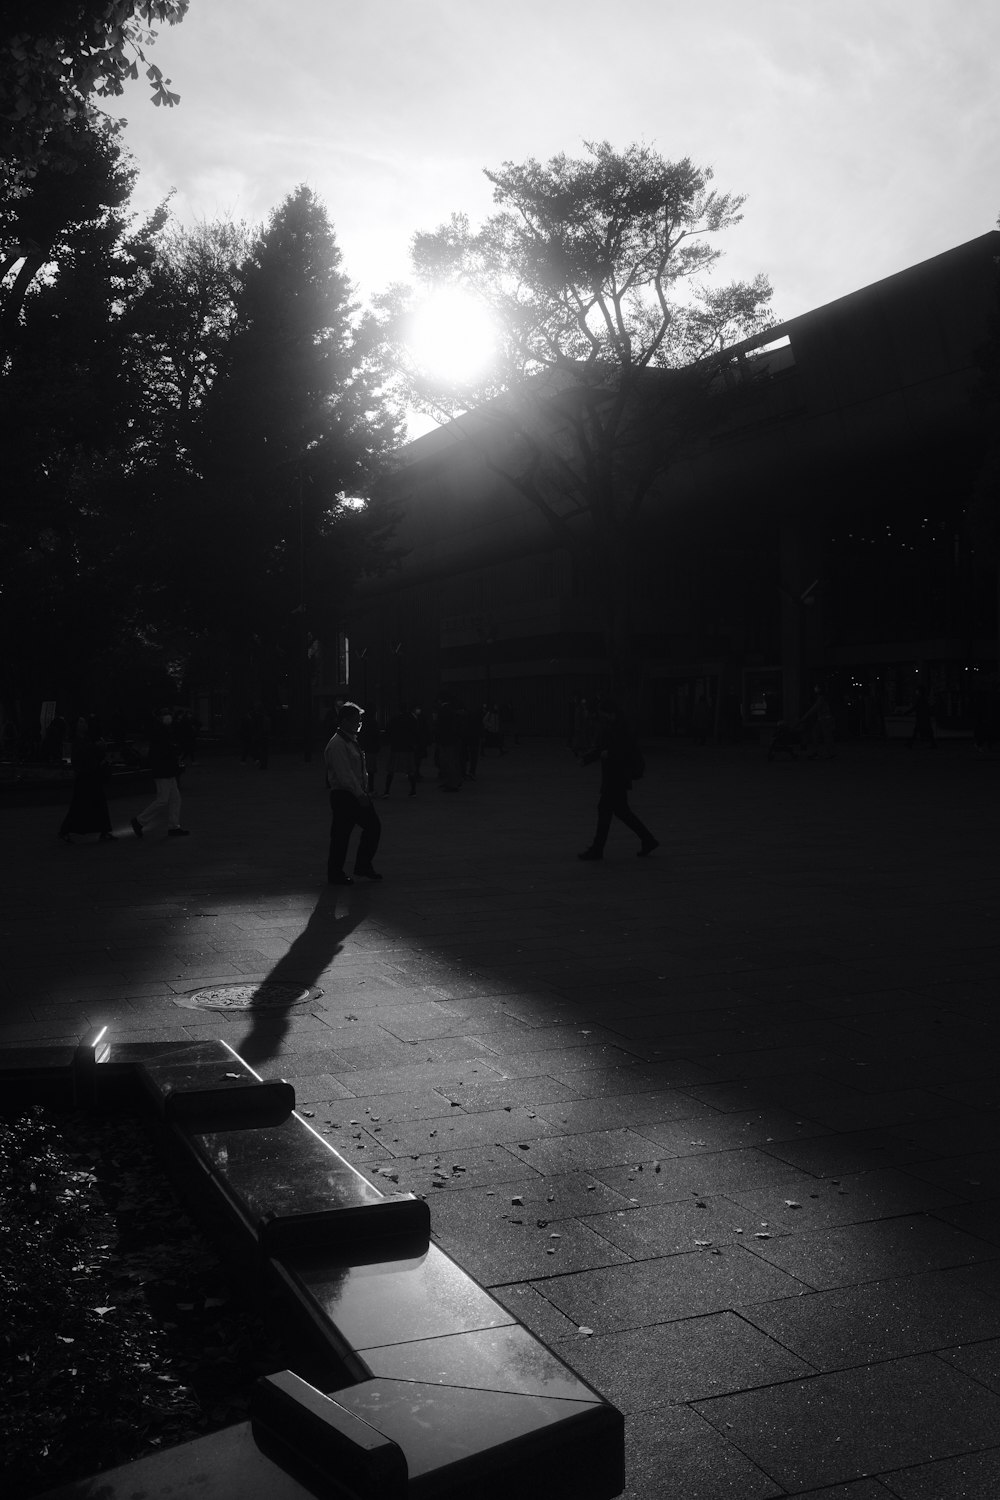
<point x="721" y="1126"/>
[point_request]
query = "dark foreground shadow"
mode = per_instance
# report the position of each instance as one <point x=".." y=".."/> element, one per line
<point x="312" y="952"/>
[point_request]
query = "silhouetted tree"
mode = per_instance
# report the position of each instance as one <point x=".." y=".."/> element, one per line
<point x="57" y="56"/>
<point x="592" y="271"/>
<point x="70" y="397"/>
<point x="286" y="441"/>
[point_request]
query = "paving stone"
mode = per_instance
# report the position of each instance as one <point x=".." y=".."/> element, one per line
<point x="474" y="1097"/>
<point x="887" y="1319"/>
<point x="981" y="1219"/>
<point x="673" y="1454"/>
<point x="866" y="1252"/>
<point x="978" y="1171"/>
<point x="485" y="1167"/>
<point x="565" y="1153"/>
<point x="980" y="1360"/>
<point x="974" y="1476"/>
<point x="518" y="1247"/>
<point x="724" y="1132"/>
<point x="828" y="1201"/>
<point x="677" y="1286"/>
<point x="674" y="1228"/>
<point x="783" y="929"/>
<point x="833" y="1428"/>
<point x="684" y="1360"/>
<point x="457" y="1131"/>
<point x="537" y="1313"/>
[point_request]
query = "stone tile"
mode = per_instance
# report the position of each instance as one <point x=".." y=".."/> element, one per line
<point x="981" y="1219"/>
<point x="860" y="1489"/>
<point x="725" y="1172"/>
<point x="484" y="1167"/>
<point x="674" y="1228"/>
<point x="567" y="1153"/>
<point x="416" y="1104"/>
<point x="974" y="1476"/>
<point x="474" y="1095"/>
<point x="884" y="1320"/>
<point x="725" y="1132"/>
<point x="557" y="1062"/>
<point x="976" y="1174"/>
<point x="316" y="1088"/>
<point x="980" y="1360"/>
<point x="458" y="1132"/>
<point x="569" y="1195"/>
<point x="621" y="1111"/>
<point x="831" y="1429"/>
<point x="441" y="1075"/>
<point x="681" y="1361"/>
<point x="671" y="1453"/>
<point x="653" y="1291"/>
<point x="866" y="1252"/>
<point x="536" y="1312"/>
<point x="628" y="1077"/>
<point x="517" y="1246"/>
<point x="828" y="1201"/>
<point x="840" y="1155"/>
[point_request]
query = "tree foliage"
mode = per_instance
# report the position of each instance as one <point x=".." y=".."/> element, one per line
<point x="70" y="397"/>
<point x="58" y="55"/>
<point x="182" y="414"/>
<point x="293" y="426"/>
<point x="594" y="271"/>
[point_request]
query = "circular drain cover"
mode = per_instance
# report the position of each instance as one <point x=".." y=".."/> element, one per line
<point x="268" y="995"/>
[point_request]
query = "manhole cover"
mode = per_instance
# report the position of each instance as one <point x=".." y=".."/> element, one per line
<point x="268" y="995"/>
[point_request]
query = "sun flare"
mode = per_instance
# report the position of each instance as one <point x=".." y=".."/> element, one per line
<point x="453" y="337"/>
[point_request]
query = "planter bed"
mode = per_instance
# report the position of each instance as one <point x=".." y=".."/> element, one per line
<point x="405" y="1378"/>
<point x="122" y="1331"/>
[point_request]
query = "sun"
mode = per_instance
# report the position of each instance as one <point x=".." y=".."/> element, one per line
<point x="453" y="337"/>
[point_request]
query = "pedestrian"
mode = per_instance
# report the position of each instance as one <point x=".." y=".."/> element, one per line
<point x="350" y="803"/>
<point x="618" y="751"/>
<point x="701" y="720"/>
<point x="165" y="764"/>
<point x="422" y="738"/>
<point x="53" y="740"/>
<point x="448" y="740"/>
<point x="923" y="721"/>
<point x="404" y="732"/>
<point x="818" y="723"/>
<point x="471" y="731"/>
<point x="88" y="809"/>
<point x="493" y="729"/>
<point x="370" y="741"/>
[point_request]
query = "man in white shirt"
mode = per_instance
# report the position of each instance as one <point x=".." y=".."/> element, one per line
<point x="350" y="804"/>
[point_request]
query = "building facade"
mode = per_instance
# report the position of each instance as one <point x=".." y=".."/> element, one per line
<point x="831" y="527"/>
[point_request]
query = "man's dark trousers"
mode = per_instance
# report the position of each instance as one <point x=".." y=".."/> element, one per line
<point x="346" y="813"/>
<point x="613" y="803"/>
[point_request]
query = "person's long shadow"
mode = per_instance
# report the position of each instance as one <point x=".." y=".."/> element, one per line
<point x="315" y="948"/>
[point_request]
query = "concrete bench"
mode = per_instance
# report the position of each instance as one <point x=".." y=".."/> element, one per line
<point x="439" y="1390"/>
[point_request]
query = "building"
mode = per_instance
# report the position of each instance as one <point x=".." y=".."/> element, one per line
<point x="819" y="531"/>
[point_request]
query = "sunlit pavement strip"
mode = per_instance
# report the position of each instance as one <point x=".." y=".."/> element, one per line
<point x="731" y="1109"/>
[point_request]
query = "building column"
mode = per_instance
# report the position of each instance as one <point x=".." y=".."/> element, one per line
<point x="800" y="561"/>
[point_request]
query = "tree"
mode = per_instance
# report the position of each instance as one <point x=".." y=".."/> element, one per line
<point x="58" y="55"/>
<point x="283" y="445"/>
<point x="609" y="340"/>
<point x="70" y="398"/>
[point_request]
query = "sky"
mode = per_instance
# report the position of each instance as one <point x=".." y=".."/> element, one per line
<point x="865" y="133"/>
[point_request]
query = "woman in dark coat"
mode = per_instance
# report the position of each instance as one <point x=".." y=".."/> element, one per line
<point x="88" y="810"/>
<point x="621" y="761"/>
